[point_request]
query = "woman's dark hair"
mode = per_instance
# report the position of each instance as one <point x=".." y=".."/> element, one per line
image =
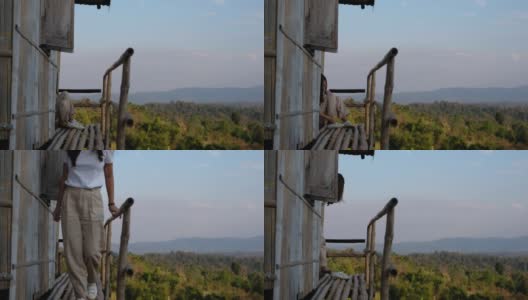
<point x="73" y="154"/>
<point x="340" y="186"/>
<point x="323" y="79"/>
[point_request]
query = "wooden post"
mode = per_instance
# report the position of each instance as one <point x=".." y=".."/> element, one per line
<point x="108" y="259"/>
<point x="372" y="140"/>
<point x="108" y="111"/>
<point x="123" y="100"/>
<point x="385" y="120"/>
<point x="367" y="104"/>
<point x="367" y="258"/>
<point x="103" y="103"/>
<point x="123" y="249"/>
<point x="372" y="259"/>
<point x="108" y="287"/>
<point x="372" y="104"/>
<point x="386" y="260"/>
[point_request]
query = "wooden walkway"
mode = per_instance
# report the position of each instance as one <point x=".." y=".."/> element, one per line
<point x="90" y="138"/>
<point x="344" y="137"/>
<point x="63" y="290"/>
<point x="333" y="287"/>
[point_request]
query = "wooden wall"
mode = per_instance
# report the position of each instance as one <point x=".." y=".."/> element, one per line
<point x="6" y="165"/>
<point x="296" y="233"/>
<point x="293" y="76"/>
<point x="6" y="31"/>
<point x="34" y="232"/>
<point x="34" y="80"/>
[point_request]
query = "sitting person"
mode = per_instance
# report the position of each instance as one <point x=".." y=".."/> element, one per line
<point x="331" y="108"/>
<point x="65" y="112"/>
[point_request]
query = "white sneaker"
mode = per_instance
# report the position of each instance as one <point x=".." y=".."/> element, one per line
<point x="92" y="291"/>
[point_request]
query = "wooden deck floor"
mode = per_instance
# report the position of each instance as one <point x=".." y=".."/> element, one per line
<point x="333" y="287"/>
<point x="344" y="137"/>
<point x="90" y="138"/>
<point x="63" y="290"/>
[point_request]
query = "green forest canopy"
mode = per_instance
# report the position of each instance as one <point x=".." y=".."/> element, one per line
<point x="450" y="276"/>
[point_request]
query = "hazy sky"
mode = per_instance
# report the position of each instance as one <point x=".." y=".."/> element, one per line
<point x="441" y="194"/>
<point x="178" y="43"/>
<point x="448" y="43"/>
<point x="190" y="193"/>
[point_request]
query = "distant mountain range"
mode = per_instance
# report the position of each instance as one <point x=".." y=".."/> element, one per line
<point x="466" y="245"/>
<point x="228" y="95"/>
<point x="514" y="95"/>
<point x="493" y="245"/>
<point x="201" y="245"/>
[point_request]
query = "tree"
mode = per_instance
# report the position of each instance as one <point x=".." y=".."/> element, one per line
<point x="235" y="268"/>
<point x="499" y="117"/>
<point x="499" y="268"/>
<point x="235" y="117"/>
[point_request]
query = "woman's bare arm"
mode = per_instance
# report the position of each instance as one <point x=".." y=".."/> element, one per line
<point x="109" y="181"/>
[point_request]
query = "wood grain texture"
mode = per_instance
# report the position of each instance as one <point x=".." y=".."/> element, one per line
<point x="321" y="25"/>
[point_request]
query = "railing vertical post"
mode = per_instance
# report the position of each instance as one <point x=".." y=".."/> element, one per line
<point x="107" y="261"/>
<point x="367" y="104"/>
<point x="122" y="259"/>
<point x="108" y="108"/>
<point x="103" y="104"/>
<point x="123" y="100"/>
<point x="367" y="258"/>
<point x="372" y="104"/>
<point x="389" y="86"/>
<point x="372" y="258"/>
<point x="386" y="260"/>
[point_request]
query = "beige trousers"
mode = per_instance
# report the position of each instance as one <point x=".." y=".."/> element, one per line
<point x="82" y="232"/>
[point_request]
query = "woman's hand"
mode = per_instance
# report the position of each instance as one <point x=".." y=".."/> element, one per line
<point x="113" y="209"/>
<point x="57" y="213"/>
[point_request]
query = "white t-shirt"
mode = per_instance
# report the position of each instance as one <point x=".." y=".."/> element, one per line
<point x="88" y="172"/>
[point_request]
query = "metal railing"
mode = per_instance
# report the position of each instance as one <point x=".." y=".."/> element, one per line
<point x="387" y="269"/>
<point x="387" y="117"/>
<point x="369" y="104"/>
<point x="123" y="268"/>
<point x="124" y="119"/>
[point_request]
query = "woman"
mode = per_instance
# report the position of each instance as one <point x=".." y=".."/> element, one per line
<point x="332" y="109"/>
<point x="80" y="206"/>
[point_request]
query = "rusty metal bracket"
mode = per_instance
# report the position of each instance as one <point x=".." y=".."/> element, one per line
<point x="6" y="277"/>
<point x="6" y="126"/>
<point x="32" y="263"/>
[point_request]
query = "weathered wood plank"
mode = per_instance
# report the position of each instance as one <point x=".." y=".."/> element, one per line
<point x="58" y="25"/>
<point x="386" y="260"/>
<point x="60" y="140"/>
<point x="362" y="138"/>
<point x="69" y="139"/>
<point x="346" y="289"/>
<point x="387" y="101"/>
<point x="355" y="290"/>
<point x="333" y="289"/>
<point x="91" y="141"/>
<point x="339" y="291"/>
<point x="346" y="141"/>
<point x="326" y="278"/>
<point x="99" y="137"/>
<point x="75" y="140"/>
<point x="355" y="142"/>
<point x="323" y="140"/>
<point x="82" y="141"/>
<point x="324" y="289"/>
<point x="339" y="139"/>
<point x="60" y="284"/>
<point x="321" y="24"/>
<point x="362" y="288"/>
